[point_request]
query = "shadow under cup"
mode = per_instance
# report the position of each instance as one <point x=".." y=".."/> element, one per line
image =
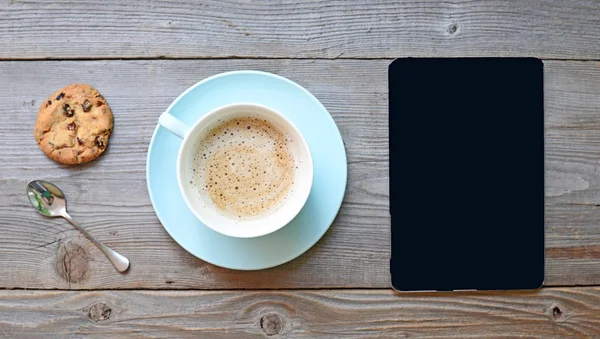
<point x="202" y="206"/>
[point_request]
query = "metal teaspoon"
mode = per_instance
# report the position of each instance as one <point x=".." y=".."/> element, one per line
<point x="50" y="201"/>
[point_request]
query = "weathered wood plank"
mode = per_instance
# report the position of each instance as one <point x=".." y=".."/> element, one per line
<point x="109" y="196"/>
<point x="549" y="313"/>
<point x="299" y="29"/>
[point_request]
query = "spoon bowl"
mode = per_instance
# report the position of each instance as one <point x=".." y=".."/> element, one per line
<point x="50" y="201"/>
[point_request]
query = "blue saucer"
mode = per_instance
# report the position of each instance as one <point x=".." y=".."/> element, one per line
<point x="330" y="171"/>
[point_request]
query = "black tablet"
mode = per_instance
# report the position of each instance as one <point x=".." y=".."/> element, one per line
<point x="466" y="173"/>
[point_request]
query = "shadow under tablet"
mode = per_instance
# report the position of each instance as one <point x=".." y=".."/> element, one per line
<point x="466" y="173"/>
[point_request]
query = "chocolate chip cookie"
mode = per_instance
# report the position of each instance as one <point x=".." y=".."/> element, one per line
<point x="74" y="124"/>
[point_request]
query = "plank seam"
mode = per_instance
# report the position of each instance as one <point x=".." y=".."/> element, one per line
<point x="238" y="58"/>
<point x="285" y="289"/>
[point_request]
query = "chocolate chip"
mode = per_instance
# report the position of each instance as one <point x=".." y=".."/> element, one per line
<point x="99" y="142"/>
<point x="86" y="106"/>
<point x="68" y="111"/>
<point x="71" y="126"/>
<point x="79" y="141"/>
<point x="48" y="103"/>
<point x="60" y="96"/>
<point x="99" y="103"/>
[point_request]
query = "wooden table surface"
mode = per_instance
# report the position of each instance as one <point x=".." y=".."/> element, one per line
<point x="141" y="55"/>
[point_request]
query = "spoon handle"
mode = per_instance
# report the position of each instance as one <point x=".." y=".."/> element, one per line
<point x="120" y="262"/>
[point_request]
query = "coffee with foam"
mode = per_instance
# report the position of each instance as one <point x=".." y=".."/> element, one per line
<point x="245" y="167"/>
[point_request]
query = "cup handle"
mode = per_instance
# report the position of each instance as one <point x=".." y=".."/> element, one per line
<point x="173" y="125"/>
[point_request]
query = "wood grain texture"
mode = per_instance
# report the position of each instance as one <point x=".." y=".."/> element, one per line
<point x="298" y="29"/>
<point x="109" y="196"/>
<point x="549" y="313"/>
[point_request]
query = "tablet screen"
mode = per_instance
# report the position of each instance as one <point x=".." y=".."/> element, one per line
<point x="466" y="173"/>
